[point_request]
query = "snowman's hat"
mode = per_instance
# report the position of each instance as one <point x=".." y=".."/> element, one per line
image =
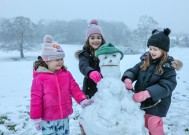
<point x="108" y="48"/>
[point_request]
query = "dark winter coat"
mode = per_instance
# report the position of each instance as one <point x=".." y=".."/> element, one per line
<point x="160" y="87"/>
<point x="88" y="63"/>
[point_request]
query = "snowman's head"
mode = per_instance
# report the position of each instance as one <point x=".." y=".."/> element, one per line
<point x="109" y="55"/>
<point x="112" y="59"/>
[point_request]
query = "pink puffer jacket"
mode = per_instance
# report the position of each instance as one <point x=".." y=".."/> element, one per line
<point x="51" y="95"/>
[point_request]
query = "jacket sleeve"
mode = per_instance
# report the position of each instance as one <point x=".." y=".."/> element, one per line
<point x="165" y="86"/>
<point x="131" y="73"/>
<point x="84" y="65"/>
<point x="75" y="90"/>
<point x="36" y="100"/>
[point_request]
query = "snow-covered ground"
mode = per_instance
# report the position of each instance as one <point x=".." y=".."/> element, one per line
<point x="15" y="82"/>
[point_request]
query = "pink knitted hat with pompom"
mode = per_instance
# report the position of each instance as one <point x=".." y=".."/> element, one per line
<point x="94" y="28"/>
<point x="51" y="50"/>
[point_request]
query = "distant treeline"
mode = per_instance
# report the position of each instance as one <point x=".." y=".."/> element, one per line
<point x="20" y="33"/>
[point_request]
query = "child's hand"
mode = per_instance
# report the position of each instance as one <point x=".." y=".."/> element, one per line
<point x="38" y="124"/>
<point x="95" y="76"/>
<point x="86" y="103"/>
<point x="128" y="84"/>
<point x="141" y="96"/>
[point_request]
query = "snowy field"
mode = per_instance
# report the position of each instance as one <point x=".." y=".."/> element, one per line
<point x="15" y="83"/>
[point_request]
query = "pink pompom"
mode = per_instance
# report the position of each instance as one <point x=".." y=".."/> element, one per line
<point x="94" y="22"/>
<point x="48" y="39"/>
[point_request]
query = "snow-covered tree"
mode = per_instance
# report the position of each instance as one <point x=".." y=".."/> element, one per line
<point x="185" y="41"/>
<point x="144" y="28"/>
<point x="22" y="28"/>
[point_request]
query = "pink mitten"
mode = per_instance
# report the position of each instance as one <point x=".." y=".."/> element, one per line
<point x="95" y="76"/>
<point x="128" y="84"/>
<point x="86" y="102"/>
<point x="38" y="124"/>
<point x="141" y="96"/>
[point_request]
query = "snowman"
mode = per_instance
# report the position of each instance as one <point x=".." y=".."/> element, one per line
<point x="113" y="112"/>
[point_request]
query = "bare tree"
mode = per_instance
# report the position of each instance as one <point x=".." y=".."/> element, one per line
<point x="22" y="28"/>
<point x="145" y="26"/>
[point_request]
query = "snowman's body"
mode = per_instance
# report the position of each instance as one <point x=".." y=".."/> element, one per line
<point x="113" y="112"/>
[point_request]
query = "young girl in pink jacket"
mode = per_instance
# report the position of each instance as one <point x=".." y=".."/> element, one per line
<point x="51" y="91"/>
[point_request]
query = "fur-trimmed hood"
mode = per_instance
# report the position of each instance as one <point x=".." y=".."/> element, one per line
<point x="85" y="49"/>
<point x="77" y="53"/>
<point x="177" y="64"/>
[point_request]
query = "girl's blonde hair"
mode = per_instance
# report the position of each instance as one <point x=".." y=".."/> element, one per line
<point x="42" y="63"/>
<point x="148" y="60"/>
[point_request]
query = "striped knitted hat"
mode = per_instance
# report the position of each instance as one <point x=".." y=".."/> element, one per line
<point x="51" y="50"/>
<point x="93" y="28"/>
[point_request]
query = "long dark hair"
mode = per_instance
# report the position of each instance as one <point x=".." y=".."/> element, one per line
<point x="42" y="63"/>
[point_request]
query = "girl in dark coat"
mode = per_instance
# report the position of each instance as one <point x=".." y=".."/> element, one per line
<point x="155" y="80"/>
<point x="88" y="63"/>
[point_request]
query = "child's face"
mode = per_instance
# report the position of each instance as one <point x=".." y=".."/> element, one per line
<point x="55" y="65"/>
<point x="155" y="52"/>
<point x="95" y="40"/>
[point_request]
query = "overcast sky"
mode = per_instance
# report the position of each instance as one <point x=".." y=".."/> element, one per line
<point x="168" y="13"/>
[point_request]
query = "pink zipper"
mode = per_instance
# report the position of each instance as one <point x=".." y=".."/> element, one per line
<point x="59" y="95"/>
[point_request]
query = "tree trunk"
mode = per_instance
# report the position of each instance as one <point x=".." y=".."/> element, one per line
<point x="21" y="45"/>
<point x="21" y="51"/>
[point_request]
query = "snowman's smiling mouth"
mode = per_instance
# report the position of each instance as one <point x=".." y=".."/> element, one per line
<point x="109" y="65"/>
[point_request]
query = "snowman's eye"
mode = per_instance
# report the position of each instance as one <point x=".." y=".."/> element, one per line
<point x="105" y="57"/>
<point x="114" y="55"/>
